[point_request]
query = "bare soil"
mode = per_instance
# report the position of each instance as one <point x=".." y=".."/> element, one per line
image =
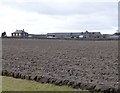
<point x="82" y="64"/>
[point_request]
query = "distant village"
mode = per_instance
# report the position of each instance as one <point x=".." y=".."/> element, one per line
<point x="78" y="35"/>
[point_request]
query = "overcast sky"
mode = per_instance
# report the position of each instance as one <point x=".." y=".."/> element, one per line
<point x="44" y="16"/>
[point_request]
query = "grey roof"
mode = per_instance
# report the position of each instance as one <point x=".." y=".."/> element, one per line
<point x="20" y="31"/>
<point x="38" y="34"/>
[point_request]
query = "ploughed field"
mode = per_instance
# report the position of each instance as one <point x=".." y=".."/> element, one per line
<point x="80" y="64"/>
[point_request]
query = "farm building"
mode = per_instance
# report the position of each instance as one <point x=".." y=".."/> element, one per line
<point x="92" y="35"/>
<point x="38" y="35"/>
<point x="64" y="35"/>
<point x="76" y="35"/>
<point x="59" y="35"/>
<point x="110" y="36"/>
<point x="20" y="33"/>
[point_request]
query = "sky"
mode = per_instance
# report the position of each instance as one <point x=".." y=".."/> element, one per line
<point x="47" y="16"/>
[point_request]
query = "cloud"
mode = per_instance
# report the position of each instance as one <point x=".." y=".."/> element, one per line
<point x="58" y="7"/>
<point x="42" y="16"/>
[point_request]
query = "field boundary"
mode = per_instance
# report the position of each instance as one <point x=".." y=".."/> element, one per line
<point x="77" y="85"/>
<point x="81" y="39"/>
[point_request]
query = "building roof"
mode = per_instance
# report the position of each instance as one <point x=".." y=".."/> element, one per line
<point x="75" y="33"/>
<point x="20" y="31"/>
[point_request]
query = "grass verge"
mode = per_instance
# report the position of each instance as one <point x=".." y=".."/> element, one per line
<point x="12" y="84"/>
